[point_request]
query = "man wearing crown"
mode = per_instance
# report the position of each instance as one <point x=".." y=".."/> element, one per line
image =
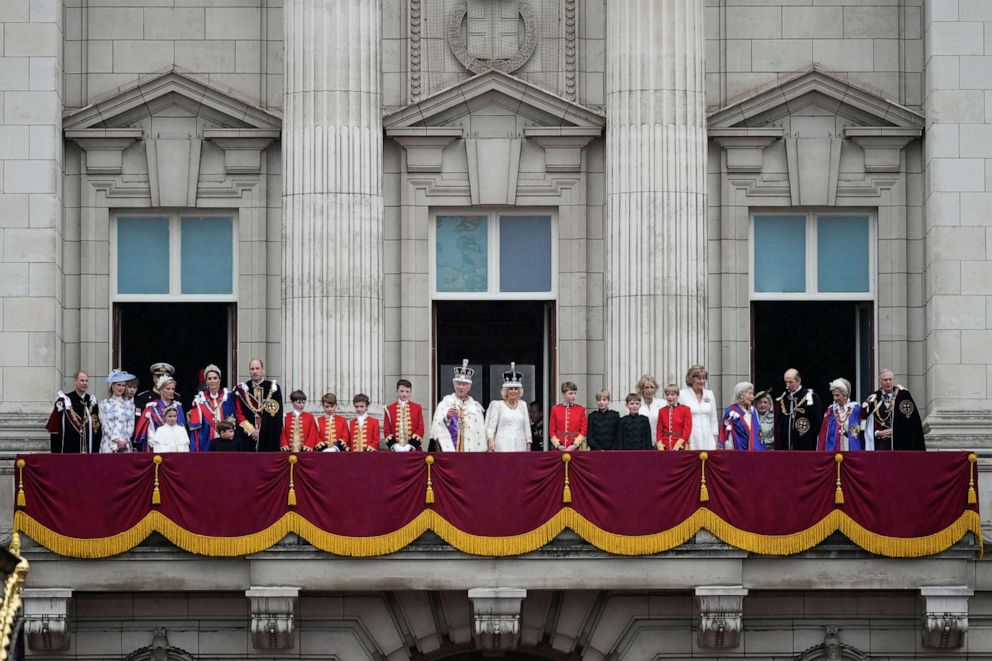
<point x="459" y="424"/>
<point x="891" y="419"/>
<point x="259" y="404"/>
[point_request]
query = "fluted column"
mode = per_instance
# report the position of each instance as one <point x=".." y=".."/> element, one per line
<point x="332" y="198"/>
<point x="655" y="182"/>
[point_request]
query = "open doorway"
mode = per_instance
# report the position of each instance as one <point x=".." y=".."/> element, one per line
<point x="189" y="336"/>
<point x="492" y="334"/>
<point x="824" y="340"/>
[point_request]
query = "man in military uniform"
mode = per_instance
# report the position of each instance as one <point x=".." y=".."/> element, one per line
<point x="891" y="419"/>
<point x="158" y="370"/>
<point x="74" y="424"/>
<point x="259" y="404"/>
<point x="798" y="414"/>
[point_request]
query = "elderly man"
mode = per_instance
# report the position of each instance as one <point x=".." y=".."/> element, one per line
<point x="259" y="404"/>
<point x="892" y="421"/>
<point x="459" y="423"/>
<point x="74" y="424"/>
<point x="798" y="414"/>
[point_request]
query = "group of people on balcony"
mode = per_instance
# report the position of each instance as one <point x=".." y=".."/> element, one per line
<point x="251" y="417"/>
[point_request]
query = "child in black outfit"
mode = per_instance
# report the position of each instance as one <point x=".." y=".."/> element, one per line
<point x="603" y="424"/>
<point x="634" y="430"/>
<point x="225" y="438"/>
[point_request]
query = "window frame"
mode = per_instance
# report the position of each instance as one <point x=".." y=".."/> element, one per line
<point x="175" y="265"/>
<point x="811" y="256"/>
<point x="492" y="292"/>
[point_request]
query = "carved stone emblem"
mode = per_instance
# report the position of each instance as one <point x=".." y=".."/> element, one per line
<point x="491" y="33"/>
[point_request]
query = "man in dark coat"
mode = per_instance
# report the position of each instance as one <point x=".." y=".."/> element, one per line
<point x="798" y="415"/>
<point x="74" y="424"/>
<point x="892" y="421"/>
<point x="259" y="410"/>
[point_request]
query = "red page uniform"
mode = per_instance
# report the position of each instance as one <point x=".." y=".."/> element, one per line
<point x="403" y="424"/>
<point x="299" y="433"/>
<point x="568" y="425"/>
<point x="332" y="434"/>
<point x="363" y="435"/>
<point x="674" y="427"/>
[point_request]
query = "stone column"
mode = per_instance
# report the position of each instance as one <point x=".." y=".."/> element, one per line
<point x="958" y="238"/>
<point x="332" y="198"/>
<point x="655" y="188"/>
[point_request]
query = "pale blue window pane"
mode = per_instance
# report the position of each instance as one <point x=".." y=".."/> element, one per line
<point x="780" y="254"/>
<point x="462" y="254"/>
<point x="842" y="253"/>
<point x="142" y="256"/>
<point x="525" y="253"/>
<point x="207" y="256"/>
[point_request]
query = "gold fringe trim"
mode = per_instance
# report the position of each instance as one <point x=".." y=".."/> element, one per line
<point x="703" y="518"/>
<point x="839" y="493"/>
<point x="21" y="500"/>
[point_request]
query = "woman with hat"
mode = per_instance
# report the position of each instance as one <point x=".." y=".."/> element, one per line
<point x="153" y="415"/>
<point x="117" y="414"/>
<point x="766" y="417"/>
<point x="507" y="420"/>
<point x="209" y="407"/>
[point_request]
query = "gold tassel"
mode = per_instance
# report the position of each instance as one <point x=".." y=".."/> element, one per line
<point x="156" y="495"/>
<point x="972" y="494"/>
<point x="21" y="500"/>
<point x="704" y="493"/>
<point x="292" y="488"/>
<point x="566" y="494"/>
<point x="839" y="493"/>
<point x="429" y="499"/>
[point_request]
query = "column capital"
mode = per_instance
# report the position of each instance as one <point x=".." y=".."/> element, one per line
<point x="272" y="611"/>
<point x="46" y="618"/>
<point x="721" y="615"/>
<point x="496" y="613"/>
<point x="945" y="618"/>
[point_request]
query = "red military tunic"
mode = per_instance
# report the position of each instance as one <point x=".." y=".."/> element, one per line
<point x="408" y="427"/>
<point x="674" y="427"/>
<point x="568" y="425"/>
<point x="299" y="433"/>
<point x="328" y="435"/>
<point x="364" y="437"/>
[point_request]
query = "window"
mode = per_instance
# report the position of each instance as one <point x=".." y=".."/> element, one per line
<point x="162" y="257"/>
<point x="812" y="255"/>
<point x="493" y="255"/>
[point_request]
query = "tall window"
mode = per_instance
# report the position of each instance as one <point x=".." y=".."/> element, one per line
<point x="162" y="257"/>
<point x="493" y="255"/>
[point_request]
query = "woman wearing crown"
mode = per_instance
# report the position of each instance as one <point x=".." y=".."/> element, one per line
<point x="459" y="424"/>
<point x="507" y="420"/>
<point x="209" y="407"/>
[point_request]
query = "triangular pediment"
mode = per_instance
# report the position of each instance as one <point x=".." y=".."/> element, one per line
<point x="494" y="92"/>
<point x="810" y="95"/>
<point x="171" y="94"/>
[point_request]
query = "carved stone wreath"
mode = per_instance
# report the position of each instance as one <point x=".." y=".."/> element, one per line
<point x="476" y="65"/>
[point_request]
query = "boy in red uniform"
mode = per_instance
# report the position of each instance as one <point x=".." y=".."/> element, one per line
<point x="568" y="425"/>
<point x="363" y="429"/>
<point x="332" y="429"/>
<point x="403" y="422"/>
<point x="674" y="422"/>
<point x="299" y="431"/>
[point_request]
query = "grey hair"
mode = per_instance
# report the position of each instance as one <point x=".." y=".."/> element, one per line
<point x="741" y="387"/>
<point x="842" y="385"/>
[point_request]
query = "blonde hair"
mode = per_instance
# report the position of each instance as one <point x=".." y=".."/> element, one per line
<point x="645" y="380"/>
<point x="671" y="388"/>
<point x="604" y="393"/>
<point x="693" y="372"/>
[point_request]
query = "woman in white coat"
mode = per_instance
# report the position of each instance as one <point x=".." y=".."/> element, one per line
<point x="508" y="420"/>
<point x="702" y="403"/>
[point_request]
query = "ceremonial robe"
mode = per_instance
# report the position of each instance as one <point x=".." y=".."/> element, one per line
<point x="74" y="424"/>
<point x="742" y="428"/>
<point x="841" y="428"/>
<point x="259" y="406"/>
<point x="568" y="425"/>
<point x="897" y="412"/>
<point x="299" y="432"/>
<point x="152" y="418"/>
<point x="332" y="433"/>
<point x="462" y="433"/>
<point x="168" y="438"/>
<point x="797" y="420"/>
<point x="404" y="424"/>
<point x="674" y="427"/>
<point x="204" y="415"/>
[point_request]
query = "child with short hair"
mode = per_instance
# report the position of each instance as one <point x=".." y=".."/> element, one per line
<point x="674" y="422"/>
<point x="225" y="437"/>
<point x="602" y="423"/>
<point x="169" y="436"/>
<point x="403" y="423"/>
<point x="634" y="430"/>
<point x="299" y="430"/>
<point x="332" y="428"/>
<point x="569" y="425"/>
<point x="363" y="429"/>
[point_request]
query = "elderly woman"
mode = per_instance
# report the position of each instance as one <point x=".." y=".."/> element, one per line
<point x="841" y="428"/>
<point x="153" y="416"/>
<point x="741" y="428"/>
<point x="117" y="414"/>
<point x="702" y="404"/>
<point x="209" y="407"/>
<point x="651" y="405"/>
<point x="507" y="420"/>
<point x="766" y="415"/>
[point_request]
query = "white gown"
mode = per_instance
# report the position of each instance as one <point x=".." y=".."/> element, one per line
<point x="704" y="420"/>
<point x="651" y="411"/>
<point x="474" y="435"/>
<point x="168" y="438"/>
<point x="509" y="427"/>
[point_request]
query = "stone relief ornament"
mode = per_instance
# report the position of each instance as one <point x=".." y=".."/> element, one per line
<point x="492" y="27"/>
